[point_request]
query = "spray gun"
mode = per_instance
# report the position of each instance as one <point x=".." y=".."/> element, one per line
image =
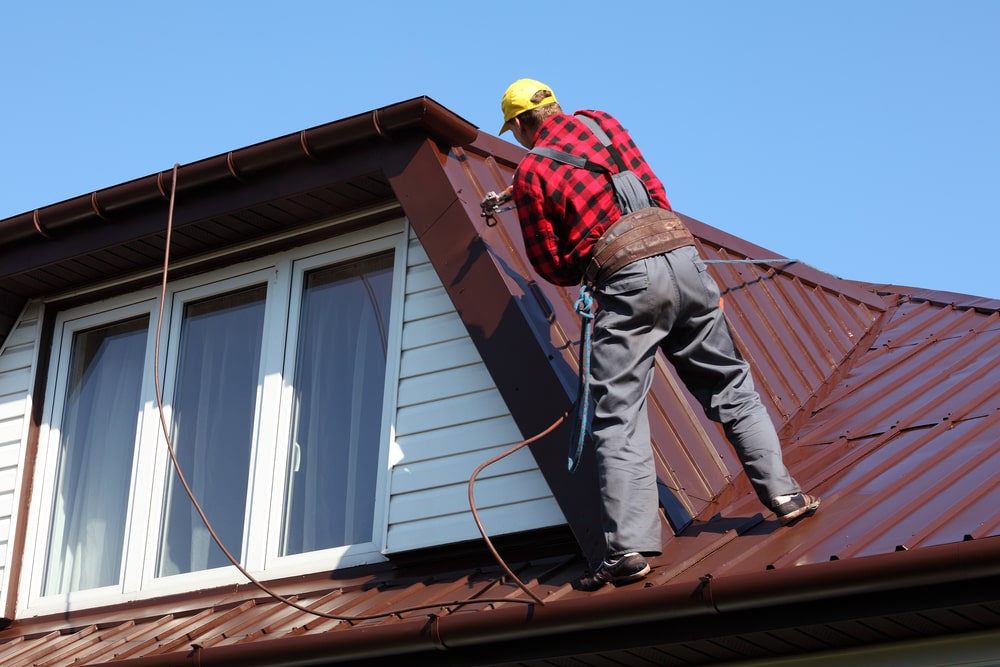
<point x="493" y="200"/>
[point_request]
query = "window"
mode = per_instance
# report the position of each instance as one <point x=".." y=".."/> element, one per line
<point x="213" y="418"/>
<point x="95" y="448"/>
<point x="278" y="382"/>
<point x="343" y="333"/>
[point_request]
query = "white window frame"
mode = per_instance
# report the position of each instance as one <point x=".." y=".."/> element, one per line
<point x="283" y="274"/>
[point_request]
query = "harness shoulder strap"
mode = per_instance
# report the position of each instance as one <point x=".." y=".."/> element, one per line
<point x="604" y="139"/>
<point x="577" y="161"/>
<point x="630" y="192"/>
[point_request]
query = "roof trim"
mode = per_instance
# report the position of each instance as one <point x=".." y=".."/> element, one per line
<point x="937" y="297"/>
<point x="420" y="114"/>
<point x="891" y="578"/>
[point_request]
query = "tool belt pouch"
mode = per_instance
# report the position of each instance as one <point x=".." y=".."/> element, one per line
<point x="643" y="233"/>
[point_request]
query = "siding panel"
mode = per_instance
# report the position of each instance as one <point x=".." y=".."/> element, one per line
<point x="449" y="419"/>
<point x="11" y="431"/>
<point x="17" y="358"/>
<point x="450" y="411"/>
<point x="490" y="492"/>
<point x="430" y="330"/>
<point x="447" y="383"/>
<point x="446" y="441"/>
<point x="457" y="469"/>
<point x="429" y="359"/>
<point x="523" y="516"/>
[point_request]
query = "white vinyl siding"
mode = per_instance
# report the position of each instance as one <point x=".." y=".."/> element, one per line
<point x="17" y="362"/>
<point x="449" y="418"/>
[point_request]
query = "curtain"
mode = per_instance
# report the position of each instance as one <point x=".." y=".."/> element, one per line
<point x="213" y="416"/>
<point x="96" y="449"/>
<point x="339" y="388"/>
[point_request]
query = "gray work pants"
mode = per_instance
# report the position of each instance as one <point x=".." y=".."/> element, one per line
<point x="668" y="302"/>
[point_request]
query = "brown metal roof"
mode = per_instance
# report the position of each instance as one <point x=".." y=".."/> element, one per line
<point x="883" y="396"/>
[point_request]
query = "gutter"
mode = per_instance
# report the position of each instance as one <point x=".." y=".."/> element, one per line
<point x="568" y="624"/>
<point x="418" y="114"/>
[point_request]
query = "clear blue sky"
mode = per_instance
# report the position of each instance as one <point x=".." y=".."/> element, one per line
<point x="859" y="136"/>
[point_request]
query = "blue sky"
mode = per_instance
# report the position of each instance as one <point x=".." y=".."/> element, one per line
<point x="861" y="137"/>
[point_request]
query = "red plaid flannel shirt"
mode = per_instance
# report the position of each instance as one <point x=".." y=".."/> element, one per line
<point x="564" y="210"/>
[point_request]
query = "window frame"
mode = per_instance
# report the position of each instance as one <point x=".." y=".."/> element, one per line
<point x="67" y="324"/>
<point x="353" y="554"/>
<point x="283" y="275"/>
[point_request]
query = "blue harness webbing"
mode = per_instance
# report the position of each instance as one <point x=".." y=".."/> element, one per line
<point x="584" y="307"/>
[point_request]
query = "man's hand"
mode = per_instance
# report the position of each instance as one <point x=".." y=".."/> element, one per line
<point x="492" y="201"/>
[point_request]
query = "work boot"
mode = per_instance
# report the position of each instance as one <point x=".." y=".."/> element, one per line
<point x="622" y="570"/>
<point x="790" y="508"/>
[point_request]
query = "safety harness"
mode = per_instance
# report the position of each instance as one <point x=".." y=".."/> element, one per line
<point x="630" y="192"/>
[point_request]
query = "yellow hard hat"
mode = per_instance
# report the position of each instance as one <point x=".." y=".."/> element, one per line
<point x="517" y="99"/>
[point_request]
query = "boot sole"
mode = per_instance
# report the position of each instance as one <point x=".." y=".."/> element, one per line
<point x="802" y="511"/>
<point x="627" y="578"/>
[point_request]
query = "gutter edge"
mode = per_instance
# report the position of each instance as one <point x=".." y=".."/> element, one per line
<point x="713" y="597"/>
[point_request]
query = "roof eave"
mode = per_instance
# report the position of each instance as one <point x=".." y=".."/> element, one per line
<point x="418" y="114"/>
<point x="885" y="583"/>
<point x="48" y="234"/>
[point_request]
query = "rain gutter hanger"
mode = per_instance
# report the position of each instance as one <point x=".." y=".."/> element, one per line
<point x="418" y="115"/>
<point x="563" y="622"/>
<point x="883" y="574"/>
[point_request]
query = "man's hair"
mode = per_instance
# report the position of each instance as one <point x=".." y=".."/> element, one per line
<point x="533" y="118"/>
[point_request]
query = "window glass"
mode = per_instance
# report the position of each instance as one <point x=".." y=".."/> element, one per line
<point x="96" y="444"/>
<point x="213" y="417"/>
<point x="339" y="384"/>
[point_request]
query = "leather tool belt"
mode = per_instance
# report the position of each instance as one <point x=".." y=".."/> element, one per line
<point x="643" y="233"/>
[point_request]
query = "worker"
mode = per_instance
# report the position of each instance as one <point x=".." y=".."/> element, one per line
<point x="597" y="213"/>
